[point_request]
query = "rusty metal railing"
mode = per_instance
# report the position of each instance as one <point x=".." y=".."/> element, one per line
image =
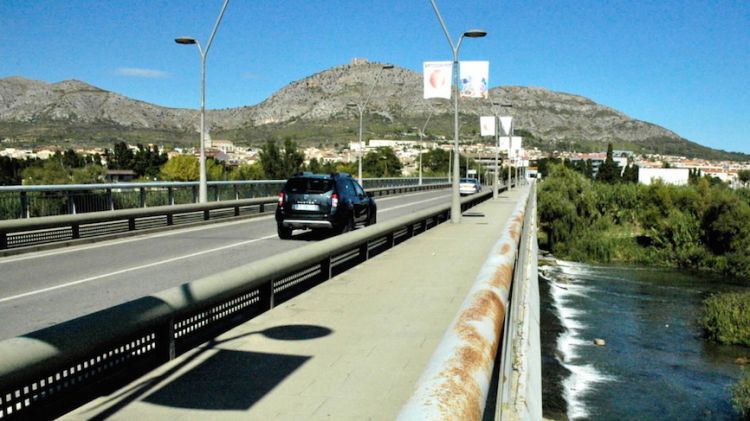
<point x="455" y="384"/>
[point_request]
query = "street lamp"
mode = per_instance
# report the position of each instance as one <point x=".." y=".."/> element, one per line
<point x="474" y="33"/>
<point x="421" y="140"/>
<point x="361" y="106"/>
<point x="496" y="181"/>
<point x="202" y="186"/>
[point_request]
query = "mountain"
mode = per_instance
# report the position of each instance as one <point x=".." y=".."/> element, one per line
<point x="321" y="109"/>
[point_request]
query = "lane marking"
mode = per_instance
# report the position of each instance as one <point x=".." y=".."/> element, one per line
<point x="119" y="272"/>
<point x="410" y="204"/>
<point x="173" y="259"/>
<point x="12" y="259"/>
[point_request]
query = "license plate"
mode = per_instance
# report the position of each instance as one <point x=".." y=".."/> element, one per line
<point x="305" y="207"/>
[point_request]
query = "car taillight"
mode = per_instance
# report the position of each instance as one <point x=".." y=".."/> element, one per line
<point x="281" y="199"/>
<point x="334" y="200"/>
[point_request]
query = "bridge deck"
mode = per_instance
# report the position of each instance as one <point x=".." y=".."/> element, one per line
<point x="350" y="349"/>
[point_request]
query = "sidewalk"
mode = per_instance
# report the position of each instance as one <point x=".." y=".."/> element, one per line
<point x="350" y="349"/>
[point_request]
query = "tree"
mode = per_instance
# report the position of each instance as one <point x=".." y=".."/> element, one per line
<point x="435" y="161"/>
<point x="248" y="172"/>
<point x="122" y="158"/>
<point x="609" y="171"/>
<point x="744" y="176"/>
<point x="630" y="175"/>
<point x="280" y="164"/>
<point x="147" y="162"/>
<point x="181" y="168"/>
<point x="382" y="162"/>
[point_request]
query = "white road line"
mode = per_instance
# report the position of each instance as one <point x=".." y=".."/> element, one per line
<point x="104" y="275"/>
<point x="174" y="259"/>
<point x="411" y="204"/>
<point x="115" y="242"/>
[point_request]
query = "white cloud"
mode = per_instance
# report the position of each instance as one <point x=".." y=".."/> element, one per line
<point x="136" y="72"/>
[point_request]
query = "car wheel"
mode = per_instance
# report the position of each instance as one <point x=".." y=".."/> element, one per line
<point x="372" y="218"/>
<point x="285" y="233"/>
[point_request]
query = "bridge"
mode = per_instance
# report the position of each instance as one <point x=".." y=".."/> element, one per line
<point x="399" y="320"/>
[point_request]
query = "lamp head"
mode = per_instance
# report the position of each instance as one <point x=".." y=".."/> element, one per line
<point x="185" y="40"/>
<point x="475" y="33"/>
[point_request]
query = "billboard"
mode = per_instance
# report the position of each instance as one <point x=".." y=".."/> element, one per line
<point x="474" y="79"/>
<point x="487" y="125"/>
<point x="437" y="79"/>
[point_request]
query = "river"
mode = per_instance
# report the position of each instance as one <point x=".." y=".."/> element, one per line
<point x="654" y="364"/>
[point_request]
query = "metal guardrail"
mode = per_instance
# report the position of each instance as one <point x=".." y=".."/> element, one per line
<point x="456" y="382"/>
<point x="20" y="233"/>
<point x="44" y="373"/>
<point x="69" y="199"/>
<point x="519" y="395"/>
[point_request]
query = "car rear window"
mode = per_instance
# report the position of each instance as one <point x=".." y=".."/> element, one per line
<point x="309" y="185"/>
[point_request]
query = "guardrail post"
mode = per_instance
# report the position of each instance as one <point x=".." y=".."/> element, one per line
<point x="391" y="240"/>
<point x="170" y="219"/>
<point x="364" y="251"/>
<point x="266" y="295"/>
<point x="110" y="200"/>
<point x="3" y="240"/>
<point x="206" y="215"/>
<point x="165" y="341"/>
<point x="75" y="231"/>
<point x="325" y="269"/>
<point x="261" y="208"/>
<point x="25" y="205"/>
<point x="236" y="211"/>
<point x="131" y="224"/>
<point x="71" y="204"/>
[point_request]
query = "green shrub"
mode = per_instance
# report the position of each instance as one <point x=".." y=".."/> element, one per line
<point x="726" y="318"/>
<point x="741" y="395"/>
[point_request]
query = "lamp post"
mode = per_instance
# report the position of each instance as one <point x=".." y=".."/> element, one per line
<point x="361" y="106"/>
<point x="202" y="185"/>
<point x="421" y="140"/>
<point x="496" y="181"/>
<point x="474" y="33"/>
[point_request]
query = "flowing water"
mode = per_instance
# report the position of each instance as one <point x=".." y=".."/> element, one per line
<point x="654" y="365"/>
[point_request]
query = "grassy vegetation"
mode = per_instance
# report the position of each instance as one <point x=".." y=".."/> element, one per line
<point x="726" y="318"/>
<point x="741" y="395"/>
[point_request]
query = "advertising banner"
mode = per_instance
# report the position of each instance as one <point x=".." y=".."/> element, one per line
<point x="437" y="79"/>
<point x="506" y="121"/>
<point x="515" y="143"/>
<point x="474" y="79"/>
<point x="504" y="143"/>
<point x="487" y="125"/>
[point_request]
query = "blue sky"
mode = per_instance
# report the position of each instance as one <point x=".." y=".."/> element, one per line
<point x="684" y="65"/>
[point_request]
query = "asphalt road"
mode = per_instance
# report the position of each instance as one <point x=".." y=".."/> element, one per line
<point x="44" y="288"/>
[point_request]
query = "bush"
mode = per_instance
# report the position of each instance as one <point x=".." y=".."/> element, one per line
<point x="741" y="395"/>
<point x="726" y="318"/>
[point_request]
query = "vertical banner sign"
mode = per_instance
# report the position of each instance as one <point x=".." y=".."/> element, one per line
<point x="515" y="143"/>
<point x="474" y="79"/>
<point x="437" y="79"/>
<point x="504" y="143"/>
<point x="515" y="146"/>
<point x="487" y="125"/>
<point x="506" y="121"/>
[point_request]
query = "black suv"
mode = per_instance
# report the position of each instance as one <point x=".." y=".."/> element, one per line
<point x="323" y="201"/>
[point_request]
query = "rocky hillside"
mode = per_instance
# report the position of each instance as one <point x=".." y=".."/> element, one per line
<point x="319" y="107"/>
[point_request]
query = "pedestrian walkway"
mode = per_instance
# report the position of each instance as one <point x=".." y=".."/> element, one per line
<point x="352" y="348"/>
